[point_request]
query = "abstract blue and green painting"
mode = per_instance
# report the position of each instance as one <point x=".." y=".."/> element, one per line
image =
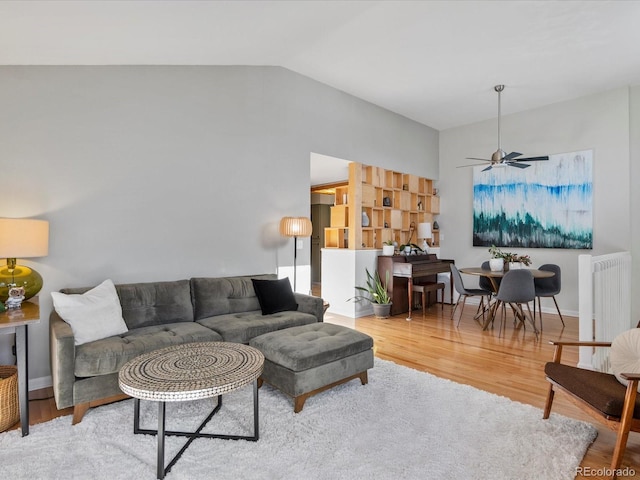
<point x="548" y="205"/>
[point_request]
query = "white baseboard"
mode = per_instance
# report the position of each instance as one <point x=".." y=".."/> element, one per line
<point x="40" y="383"/>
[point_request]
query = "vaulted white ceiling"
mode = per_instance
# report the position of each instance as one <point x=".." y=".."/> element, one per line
<point x="432" y="61"/>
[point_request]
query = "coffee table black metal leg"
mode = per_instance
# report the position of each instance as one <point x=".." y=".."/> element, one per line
<point x="256" y="423"/>
<point x="161" y="432"/>
<point x="161" y="414"/>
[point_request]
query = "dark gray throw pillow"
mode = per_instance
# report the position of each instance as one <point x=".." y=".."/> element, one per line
<point x="274" y="295"/>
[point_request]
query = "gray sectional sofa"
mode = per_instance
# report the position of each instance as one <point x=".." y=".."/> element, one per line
<point x="160" y="314"/>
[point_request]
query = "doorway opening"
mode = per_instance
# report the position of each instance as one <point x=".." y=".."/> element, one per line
<point x="327" y="173"/>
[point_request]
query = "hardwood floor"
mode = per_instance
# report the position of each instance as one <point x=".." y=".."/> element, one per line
<point x="510" y="364"/>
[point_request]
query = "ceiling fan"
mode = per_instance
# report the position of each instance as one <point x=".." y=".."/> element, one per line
<point x="500" y="158"/>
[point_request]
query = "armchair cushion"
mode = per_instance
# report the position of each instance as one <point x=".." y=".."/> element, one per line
<point x="93" y="315"/>
<point x="625" y="354"/>
<point x="600" y="390"/>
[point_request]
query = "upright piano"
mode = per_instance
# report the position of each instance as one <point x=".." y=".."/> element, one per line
<point x="404" y="270"/>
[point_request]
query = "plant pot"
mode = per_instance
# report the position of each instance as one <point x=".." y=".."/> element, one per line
<point x="388" y="249"/>
<point x="515" y="265"/>
<point x="496" y="264"/>
<point x="381" y="310"/>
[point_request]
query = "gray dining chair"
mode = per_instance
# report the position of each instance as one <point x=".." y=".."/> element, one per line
<point x="517" y="289"/>
<point x="467" y="292"/>
<point x="548" y="287"/>
<point x="485" y="283"/>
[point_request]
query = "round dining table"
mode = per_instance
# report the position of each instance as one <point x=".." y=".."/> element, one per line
<point x="492" y="275"/>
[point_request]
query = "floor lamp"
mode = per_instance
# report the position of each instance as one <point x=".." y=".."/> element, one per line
<point x="295" y="227"/>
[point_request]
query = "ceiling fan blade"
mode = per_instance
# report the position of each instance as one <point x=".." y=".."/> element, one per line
<point x="533" y="159"/>
<point x="519" y="165"/>
<point x="488" y="168"/>
<point x="511" y="155"/>
<point x="481" y="159"/>
<point x="471" y="165"/>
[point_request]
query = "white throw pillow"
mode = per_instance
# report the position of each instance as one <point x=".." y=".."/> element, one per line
<point x="93" y="315"/>
<point x="625" y="354"/>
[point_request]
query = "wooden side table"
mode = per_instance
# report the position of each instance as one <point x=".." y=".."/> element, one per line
<point x="19" y="319"/>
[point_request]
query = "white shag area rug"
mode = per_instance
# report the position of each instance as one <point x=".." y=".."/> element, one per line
<point x="404" y="424"/>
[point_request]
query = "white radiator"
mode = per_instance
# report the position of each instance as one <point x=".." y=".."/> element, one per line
<point x="604" y="293"/>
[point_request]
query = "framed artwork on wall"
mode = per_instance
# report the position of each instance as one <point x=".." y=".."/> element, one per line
<point x="548" y="205"/>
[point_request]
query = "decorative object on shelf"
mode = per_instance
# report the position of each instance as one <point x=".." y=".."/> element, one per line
<point x="405" y="186"/>
<point x="420" y="205"/>
<point x="424" y="232"/>
<point x="295" y="227"/>
<point x="16" y="296"/>
<point x="365" y="219"/>
<point x="507" y="259"/>
<point x="412" y="227"/>
<point x="386" y="202"/>
<point x="377" y="294"/>
<point x="436" y="226"/>
<point x="435" y="192"/>
<point x="388" y="248"/>
<point x="23" y="238"/>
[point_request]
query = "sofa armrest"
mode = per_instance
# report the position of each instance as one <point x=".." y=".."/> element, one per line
<point x="309" y="304"/>
<point x="63" y="355"/>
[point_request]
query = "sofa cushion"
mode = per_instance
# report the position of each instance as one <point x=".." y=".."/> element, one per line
<point x="274" y="295"/>
<point x="243" y="326"/>
<point x="110" y="354"/>
<point x="152" y="303"/>
<point x="221" y="296"/>
<point x="92" y="315"/>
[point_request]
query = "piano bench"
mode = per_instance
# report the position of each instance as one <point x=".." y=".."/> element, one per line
<point x="425" y="289"/>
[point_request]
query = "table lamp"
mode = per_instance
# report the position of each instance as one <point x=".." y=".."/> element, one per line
<point x="295" y="227"/>
<point x="23" y="238"/>
<point x="424" y="232"/>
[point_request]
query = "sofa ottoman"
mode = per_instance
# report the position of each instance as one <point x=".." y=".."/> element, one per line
<point x="305" y="360"/>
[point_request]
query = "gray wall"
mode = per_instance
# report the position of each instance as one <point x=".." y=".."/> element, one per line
<point x="599" y="122"/>
<point x="161" y="173"/>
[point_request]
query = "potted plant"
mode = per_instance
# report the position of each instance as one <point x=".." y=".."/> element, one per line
<point x="388" y="248"/>
<point x="505" y="260"/>
<point x="377" y="295"/>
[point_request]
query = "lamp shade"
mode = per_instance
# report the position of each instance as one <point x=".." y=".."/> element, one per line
<point x="424" y="230"/>
<point x="295" y="227"/>
<point x="23" y="238"/>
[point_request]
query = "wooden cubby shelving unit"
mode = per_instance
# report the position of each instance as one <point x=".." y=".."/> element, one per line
<point x="410" y="201"/>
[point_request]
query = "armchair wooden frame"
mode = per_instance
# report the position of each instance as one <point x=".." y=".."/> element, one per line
<point x="623" y="424"/>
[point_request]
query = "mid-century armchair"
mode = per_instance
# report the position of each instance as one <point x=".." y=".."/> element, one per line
<point x="599" y="394"/>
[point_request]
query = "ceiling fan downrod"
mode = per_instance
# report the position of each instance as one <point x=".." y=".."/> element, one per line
<point x="499" y="154"/>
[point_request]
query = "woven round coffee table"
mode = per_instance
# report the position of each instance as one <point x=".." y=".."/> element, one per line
<point x="187" y="372"/>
